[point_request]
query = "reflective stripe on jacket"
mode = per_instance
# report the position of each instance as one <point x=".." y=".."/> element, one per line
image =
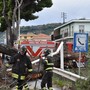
<point x="21" y="65"/>
<point x="48" y="63"/>
<point x="18" y="77"/>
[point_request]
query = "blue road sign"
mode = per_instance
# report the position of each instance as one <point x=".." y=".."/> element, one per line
<point x="80" y="42"/>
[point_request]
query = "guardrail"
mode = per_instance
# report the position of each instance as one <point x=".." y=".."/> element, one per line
<point x="69" y="75"/>
<point x="62" y="72"/>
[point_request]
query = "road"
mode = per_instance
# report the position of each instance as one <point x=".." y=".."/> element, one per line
<point x="31" y="85"/>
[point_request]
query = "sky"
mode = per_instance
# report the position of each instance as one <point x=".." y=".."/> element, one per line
<point x="73" y="9"/>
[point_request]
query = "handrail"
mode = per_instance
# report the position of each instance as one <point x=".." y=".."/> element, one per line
<point x="58" y="49"/>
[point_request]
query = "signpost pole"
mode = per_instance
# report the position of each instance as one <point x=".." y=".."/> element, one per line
<point x="79" y="69"/>
<point x="80" y="45"/>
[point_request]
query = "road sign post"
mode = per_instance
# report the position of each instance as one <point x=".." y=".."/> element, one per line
<point x="80" y="44"/>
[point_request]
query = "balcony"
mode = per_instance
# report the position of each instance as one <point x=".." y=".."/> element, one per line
<point x="58" y="37"/>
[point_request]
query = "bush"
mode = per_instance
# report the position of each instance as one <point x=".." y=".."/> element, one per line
<point x="83" y="84"/>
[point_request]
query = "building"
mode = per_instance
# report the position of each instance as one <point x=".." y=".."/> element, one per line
<point x="66" y="31"/>
<point x="28" y="36"/>
<point x="32" y="36"/>
<point x="42" y="37"/>
<point x="36" y="43"/>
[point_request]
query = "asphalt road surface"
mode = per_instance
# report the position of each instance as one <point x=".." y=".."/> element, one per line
<point x="32" y="85"/>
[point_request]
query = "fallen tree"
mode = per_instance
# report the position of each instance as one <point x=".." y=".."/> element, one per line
<point x="5" y="49"/>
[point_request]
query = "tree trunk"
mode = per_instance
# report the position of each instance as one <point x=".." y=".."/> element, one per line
<point x="5" y="49"/>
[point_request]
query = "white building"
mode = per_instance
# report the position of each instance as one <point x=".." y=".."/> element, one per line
<point x="67" y="30"/>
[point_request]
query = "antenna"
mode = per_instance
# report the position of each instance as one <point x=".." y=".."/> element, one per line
<point x="64" y="16"/>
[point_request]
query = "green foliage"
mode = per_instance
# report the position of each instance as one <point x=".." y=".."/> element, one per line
<point x="46" y="29"/>
<point x="58" y="82"/>
<point x="83" y="84"/>
<point x="27" y="10"/>
<point x="1" y="8"/>
<point x="3" y="24"/>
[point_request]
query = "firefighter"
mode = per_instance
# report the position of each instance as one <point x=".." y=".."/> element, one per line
<point x="21" y="67"/>
<point x="48" y="66"/>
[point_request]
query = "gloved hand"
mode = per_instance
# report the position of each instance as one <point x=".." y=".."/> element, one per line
<point x="28" y="77"/>
<point x="7" y="58"/>
<point x="7" y="65"/>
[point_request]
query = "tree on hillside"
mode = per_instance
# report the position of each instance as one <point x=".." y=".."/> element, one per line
<point x="12" y="11"/>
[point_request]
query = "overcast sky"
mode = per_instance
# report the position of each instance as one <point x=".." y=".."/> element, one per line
<point x="74" y="9"/>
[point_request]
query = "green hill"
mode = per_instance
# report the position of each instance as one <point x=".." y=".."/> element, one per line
<point x="46" y="29"/>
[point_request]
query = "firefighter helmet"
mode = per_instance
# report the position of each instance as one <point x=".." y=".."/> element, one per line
<point x="47" y="52"/>
<point x="23" y="50"/>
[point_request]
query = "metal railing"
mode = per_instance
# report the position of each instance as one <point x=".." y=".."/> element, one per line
<point x="60" y="71"/>
<point x="69" y="75"/>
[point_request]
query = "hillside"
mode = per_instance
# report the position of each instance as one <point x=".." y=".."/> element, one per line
<point x="46" y="29"/>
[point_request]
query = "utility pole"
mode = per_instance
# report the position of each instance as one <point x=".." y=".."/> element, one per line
<point x="63" y="15"/>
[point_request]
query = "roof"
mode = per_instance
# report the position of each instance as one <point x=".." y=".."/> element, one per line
<point x="37" y="36"/>
<point x="29" y="34"/>
<point x="74" y="21"/>
<point x="42" y="36"/>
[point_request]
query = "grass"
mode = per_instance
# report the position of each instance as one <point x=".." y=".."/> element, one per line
<point x="79" y="84"/>
<point x="60" y="81"/>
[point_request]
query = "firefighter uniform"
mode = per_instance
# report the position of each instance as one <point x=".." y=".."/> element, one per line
<point x="47" y="76"/>
<point x="21" y="67"/>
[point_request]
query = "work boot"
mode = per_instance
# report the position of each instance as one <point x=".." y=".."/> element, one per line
<point x="50" y="88"/>
<point x="26" y="87"/>
<point x="44" y="88"/>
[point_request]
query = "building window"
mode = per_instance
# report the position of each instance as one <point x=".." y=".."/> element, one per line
<point x="66" y="32"/>
<point x="81" y="28"/>
<point x="72" y="31"/>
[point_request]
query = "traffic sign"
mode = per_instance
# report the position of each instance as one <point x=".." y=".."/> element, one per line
<point x="80" y="42"/>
